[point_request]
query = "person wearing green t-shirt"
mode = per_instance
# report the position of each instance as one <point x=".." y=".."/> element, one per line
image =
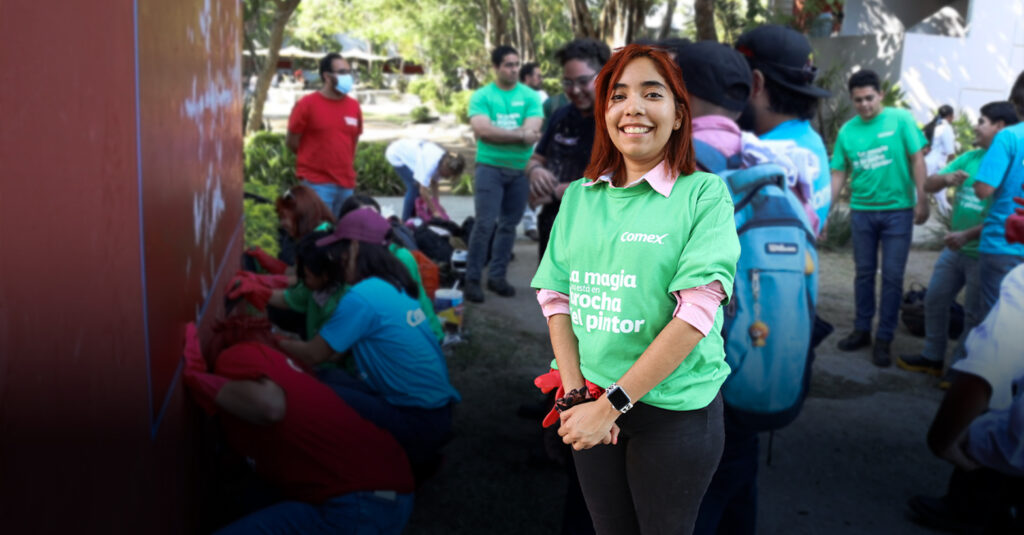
<point x="880" y="150"/>
<point x="642" y="254"/>
<point x="957" y="265"/>
<point x="506" y="117"/>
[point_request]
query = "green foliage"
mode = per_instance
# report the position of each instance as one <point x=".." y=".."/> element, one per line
<point x="375" y="176"/>
<point x="893" y="95"/>
<point x="460" y="106"/>
<point x="269" y="171"/>
<point x="426" y="89"/>
<point x="464" y="186"/>
<point x="964" y="132"/>
<point x="372" y="76"/>
<point x="420" y="114"/>
<point x="832" y="112"/>
<point x="402" y="84"/>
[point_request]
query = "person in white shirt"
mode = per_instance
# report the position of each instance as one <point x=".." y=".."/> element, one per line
<point x="942" y="143"/>
<point x="421" y="164"/>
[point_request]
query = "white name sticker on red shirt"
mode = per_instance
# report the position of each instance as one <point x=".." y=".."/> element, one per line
<point x="351" y="121"/>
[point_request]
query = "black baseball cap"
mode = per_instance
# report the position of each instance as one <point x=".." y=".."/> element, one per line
<point x="784" y="55"/>
<point x="715" y="73"/>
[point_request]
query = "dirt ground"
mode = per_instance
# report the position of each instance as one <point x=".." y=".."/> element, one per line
<point x="846" y="466"/>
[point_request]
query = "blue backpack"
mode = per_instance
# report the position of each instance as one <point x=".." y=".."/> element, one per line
<point x="770" y="319"/>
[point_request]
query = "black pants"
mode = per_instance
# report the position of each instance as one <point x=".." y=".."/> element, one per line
<point x="652" y="481"/>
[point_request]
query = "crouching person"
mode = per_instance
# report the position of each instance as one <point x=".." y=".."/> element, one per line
<point x="402" y="377"/>
<point x="339" y="472"/>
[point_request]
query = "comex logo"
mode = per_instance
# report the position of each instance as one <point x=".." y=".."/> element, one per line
<point x="642" y="238"/>
<point x="415" y="317"/>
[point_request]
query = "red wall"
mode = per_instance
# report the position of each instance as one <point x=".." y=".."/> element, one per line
<point x="120" y="221"/>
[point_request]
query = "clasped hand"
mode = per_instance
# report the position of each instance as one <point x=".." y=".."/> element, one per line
<point x="586" y="425"/>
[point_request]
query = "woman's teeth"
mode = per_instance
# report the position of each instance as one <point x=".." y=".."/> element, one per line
<point x="636" y="129"/>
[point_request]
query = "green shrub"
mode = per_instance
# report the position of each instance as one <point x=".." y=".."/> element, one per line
<point x="424" y="88"/>
<point x="261" y="226"/>
<point x="460" y="106"/>
<point x="375" y="176"/>
<point x="402" y="84"/>
<point x="269" y="171"/>
<point x="420" y="114"/>
<point x="463" y="186"/>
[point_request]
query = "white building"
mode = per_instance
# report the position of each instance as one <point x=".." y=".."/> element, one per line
<point x="963" y="53"/>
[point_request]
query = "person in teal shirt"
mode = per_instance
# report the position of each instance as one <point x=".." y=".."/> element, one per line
<point x="1001" y="177"/>
<point x="506" y="117"/>
<point x="880" y="151"/>
<point x="957" y="265"/>
<point x="642" y="254"/>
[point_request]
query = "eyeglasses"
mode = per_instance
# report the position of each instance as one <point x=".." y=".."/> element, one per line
<point x="580" y="82"/>
<point x="343" y="71"/>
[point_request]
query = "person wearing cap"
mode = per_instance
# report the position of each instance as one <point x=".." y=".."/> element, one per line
<point x="564" y="150"/>
<point x="881" y="151"/>
<point x="783" y="98"/>
<point x="421" y="165"/>
<point x="719" y="82"/>
<point x="402" y="384"/>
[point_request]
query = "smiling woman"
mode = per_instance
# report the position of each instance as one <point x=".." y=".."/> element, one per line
<point x="637" y="317"/>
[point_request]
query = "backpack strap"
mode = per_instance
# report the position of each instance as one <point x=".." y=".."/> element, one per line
<point x="708" y="157"/>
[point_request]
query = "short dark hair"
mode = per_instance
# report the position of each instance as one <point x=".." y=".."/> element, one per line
<point x="864" y="78"/>
<point x="1000" y="110"/>
<point x="1017" y="95"/>
<point x="527" y="70"/>
<point x="595" y="53"/>
<point x="325" y="63"/>
<point x="498" y="54"/>
<point x="372" y="260"/>
<point x="785" y="101"/>
<point x="311" y="257"/>
<point x="356" y="201"/>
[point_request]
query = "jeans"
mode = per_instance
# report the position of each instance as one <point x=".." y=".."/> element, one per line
<point x="653" y="480"/>
<point x="892" y="229"/>
<point x="952" y="272"/>
<point x="991" y="270"/>
<point x="421" y="432"/>
<point x="355" y="513"/>
<point x="412" y="191"/>
<point x="500" y="198"/>
<point x="333" y="195"/>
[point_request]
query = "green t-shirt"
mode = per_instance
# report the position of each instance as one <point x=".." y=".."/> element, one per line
<point x="318" y="308"/>
<point x="409" y="261"/>
<point x="506" y="109"/>
<point x="877" y="153"/>
<point x="968" y="210"/>
<point x="620" y="253"/>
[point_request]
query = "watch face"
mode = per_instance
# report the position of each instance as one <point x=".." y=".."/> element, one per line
<point x="618" y="398"/>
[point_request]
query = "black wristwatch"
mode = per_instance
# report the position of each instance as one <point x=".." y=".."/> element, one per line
<point x="618" y="398"/>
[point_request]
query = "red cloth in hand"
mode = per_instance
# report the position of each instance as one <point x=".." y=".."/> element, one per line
<point x="203" y="385"/>
<point x="256" y="289"/>
<point x="552" y="380"/>
<point x="267" y="262"/>
<point x="1015" y="223"/>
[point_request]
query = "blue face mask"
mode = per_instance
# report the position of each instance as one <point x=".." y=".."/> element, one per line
<point x="344" y="83"/>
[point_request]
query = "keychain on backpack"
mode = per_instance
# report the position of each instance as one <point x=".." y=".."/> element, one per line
<point x="758" y="330"/>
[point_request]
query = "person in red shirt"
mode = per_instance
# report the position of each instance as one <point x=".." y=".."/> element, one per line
<point x="323" y="130"/>
<point x="339" y="472"/>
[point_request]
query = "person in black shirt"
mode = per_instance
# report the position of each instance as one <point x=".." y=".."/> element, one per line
<point x="564" y="150"/>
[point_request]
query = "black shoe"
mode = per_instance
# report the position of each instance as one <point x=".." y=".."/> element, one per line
<point x="918" y="363"/>
<point x="880" y="354"/>
<point x="855" y="341"/>
<point x="501" y="287"/>
<point x="473" y="292"/>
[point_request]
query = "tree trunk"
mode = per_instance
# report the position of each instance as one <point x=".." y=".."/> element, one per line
<point x="582" y="24"/>
<point x="283" y="10"/>
<point x="704" y="16"/>
<point x="496" y="28"/>
<point x="622" y="21"/>
<point x="666" y="23"/>
<point x="524" y="32"/>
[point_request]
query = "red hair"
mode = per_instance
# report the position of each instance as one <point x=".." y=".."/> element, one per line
<point x="679" y="149"/>
<point x="303" y="207"/>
